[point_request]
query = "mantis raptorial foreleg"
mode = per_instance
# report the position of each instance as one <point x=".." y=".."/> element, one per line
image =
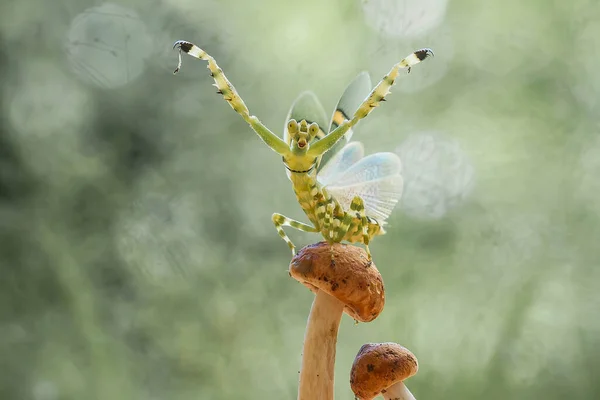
<point x="281" y="220"/>
<point x="376" y="96"/>
<point x="231" y="96"/>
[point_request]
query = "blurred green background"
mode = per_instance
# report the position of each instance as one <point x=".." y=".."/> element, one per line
<point x="137" y="255"/>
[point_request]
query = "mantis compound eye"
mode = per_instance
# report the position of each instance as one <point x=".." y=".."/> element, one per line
<point x="292" y="126"/>
<point x="313" y="129"/>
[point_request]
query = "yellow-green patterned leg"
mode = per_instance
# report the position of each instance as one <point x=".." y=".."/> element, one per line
<point x="376" y="96"/>
<point x="231" y="96"/>
<point x="358" y="207"/>
<point x="344" y="226"/>
<point x="382" y="89"/>
<point x="328" y="224"/>
<point x="281" y="220"/>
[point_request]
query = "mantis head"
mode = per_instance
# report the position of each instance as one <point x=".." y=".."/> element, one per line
<point x="301" y="134"/>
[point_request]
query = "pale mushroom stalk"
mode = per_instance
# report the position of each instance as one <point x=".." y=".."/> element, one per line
<point x="318" y="356"/>
<point x="399" y="391"/>
<point x="349" y="282"/>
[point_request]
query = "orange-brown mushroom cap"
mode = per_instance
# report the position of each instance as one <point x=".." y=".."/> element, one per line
<point x="378" y="366"/>
<point x="350" y="277"/>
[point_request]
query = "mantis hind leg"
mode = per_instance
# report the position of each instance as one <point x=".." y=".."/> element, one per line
<point x="329" y="224"/>
<point x="281" y="220"/>
<point x="329" y="228"/>
<point x="357" y="207"/>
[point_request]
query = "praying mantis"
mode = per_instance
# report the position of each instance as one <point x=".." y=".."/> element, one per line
<point x="346" y="196"/>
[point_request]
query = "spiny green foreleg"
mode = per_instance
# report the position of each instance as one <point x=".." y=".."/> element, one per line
<point x="224" y="87"/>
<point x="376" y="96"/>
<point x="281" y="220"/>
<point x="358" y="208"/>
<point x="231" y="96"/>
<point x="382" y="89"/>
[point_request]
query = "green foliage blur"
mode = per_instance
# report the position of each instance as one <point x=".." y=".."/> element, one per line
<point x="137" y="255"/>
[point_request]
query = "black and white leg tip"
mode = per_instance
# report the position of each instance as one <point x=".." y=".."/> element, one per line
<point x="424" y="53"/>
<point x="183" y="45"/>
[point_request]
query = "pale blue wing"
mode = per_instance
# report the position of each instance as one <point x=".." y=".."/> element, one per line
<point x="354" y="94"/>
<point x="376" y="179"/>
<point x="340" y="163"/>
<point x="374" y="166"/>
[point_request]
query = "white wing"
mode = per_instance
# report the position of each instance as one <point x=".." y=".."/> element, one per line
<point x="340" y="163"/>
<point x="376" y="179"/>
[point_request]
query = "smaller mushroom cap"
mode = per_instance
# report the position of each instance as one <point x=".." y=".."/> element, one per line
<point x="350" y="277"/>
<point x="378" y="366"/>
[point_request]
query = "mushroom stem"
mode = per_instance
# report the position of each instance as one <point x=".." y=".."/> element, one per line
<point x="318" y="356"/>
<point x="399" y="391"/>
<point x="349" y="282"/>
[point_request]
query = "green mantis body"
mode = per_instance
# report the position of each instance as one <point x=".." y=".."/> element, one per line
<point x="352" y="201"/>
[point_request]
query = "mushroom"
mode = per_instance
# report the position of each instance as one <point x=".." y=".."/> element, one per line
<point x="343" y="280"/>
<point x="381" y="368"/>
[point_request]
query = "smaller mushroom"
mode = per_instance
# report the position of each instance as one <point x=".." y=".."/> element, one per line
<point x="380" y="369"/>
